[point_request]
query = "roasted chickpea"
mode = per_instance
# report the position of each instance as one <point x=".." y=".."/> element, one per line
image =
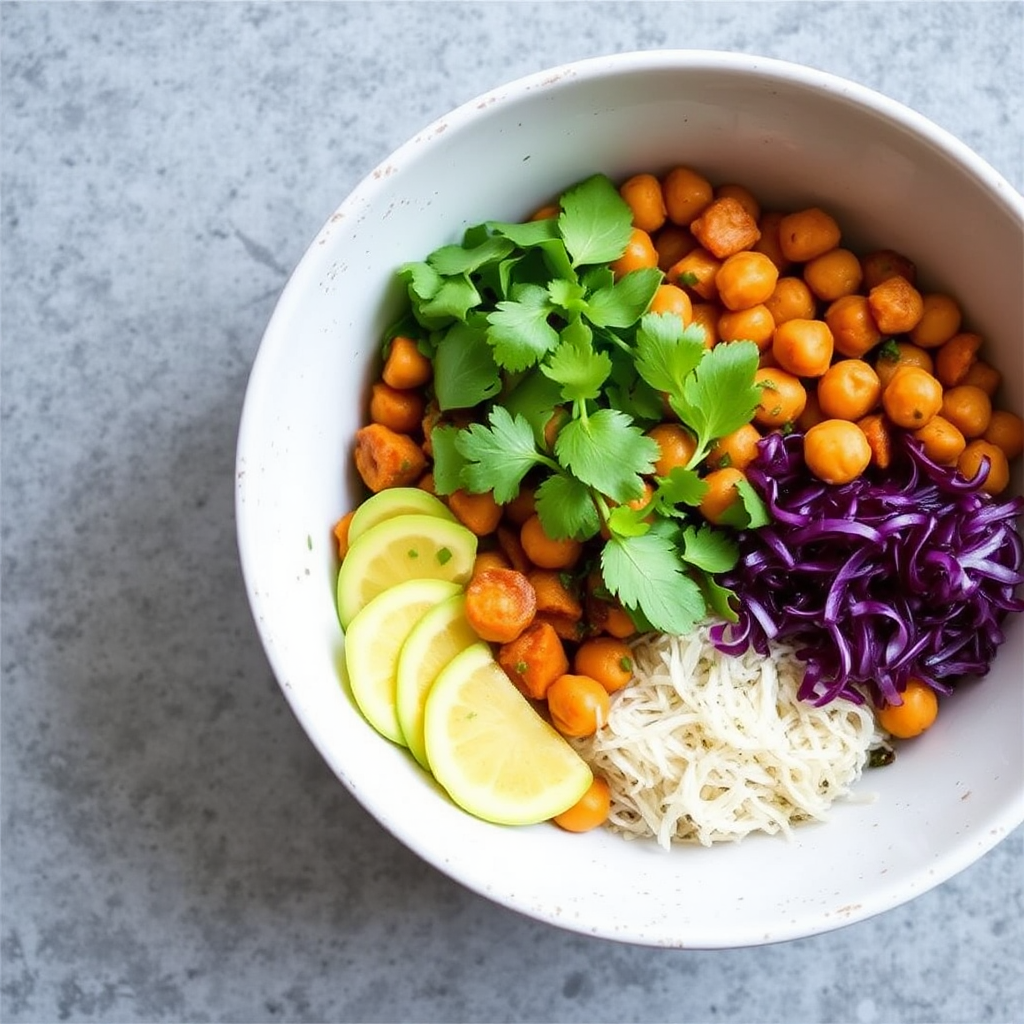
<point x="941" y="441"/>
<point x="807" y="234"/>
<point x="916" y="713"/>
<point x="791" y="300"/>
<point x="955" y="357"/>
<point x="897" y="354"/>
<point x="707" y="315"/>
<point x="643" y="195"/>
<point x="745" y="279"/>
<point x="803" y="347"/>
<point x="783" y="397"/>
<point x="982" y="375"/>
<point x="737" y="450"/>
<point x="849" y="390"/>
<point x="676" y="445"/>
<point x="836" y="451"/>
<point x="833" y="274"/>
<point x="812" y="412"/>
<point x="670" y="298"/>
<point x="853" y="328"/>
<point x="672" y="243"/>
<point x="912" y="397"/>
<point x="754" y="324"/>
<point x="721" y="494"/>
<point x="973" y="458"/>
<point x="686" y="194"/>
<point x="768" y="243"/>
<point x="940" y="320"/>
<point x="640" y="253"/>
<point x="1006" y="430"/>
<point x="968" y="408"/>
<point x="879" y="266"/>
<point x="696" y="271"/>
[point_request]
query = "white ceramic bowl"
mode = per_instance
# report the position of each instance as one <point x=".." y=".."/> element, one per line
<point x="797" y="137"/>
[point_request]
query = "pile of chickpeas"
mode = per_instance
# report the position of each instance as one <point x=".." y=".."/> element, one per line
<point x="851" y="349"/>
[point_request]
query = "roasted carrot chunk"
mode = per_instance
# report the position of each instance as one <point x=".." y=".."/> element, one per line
<point x="500" y="604"/>
<point x="386" y="458"/>
<point x="534" y="660"/>
<point x="725" y="227"/>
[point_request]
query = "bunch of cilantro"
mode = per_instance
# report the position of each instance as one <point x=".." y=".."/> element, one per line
<point x="523" y="319"/>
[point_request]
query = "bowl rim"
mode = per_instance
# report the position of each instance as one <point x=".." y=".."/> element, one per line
<point x="578" y="72"/>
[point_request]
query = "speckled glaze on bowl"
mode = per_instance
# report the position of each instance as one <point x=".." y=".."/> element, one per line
<point x="797" y="137"/>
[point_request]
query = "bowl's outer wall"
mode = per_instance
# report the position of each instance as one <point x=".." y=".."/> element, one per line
<point x="796" y="138"/>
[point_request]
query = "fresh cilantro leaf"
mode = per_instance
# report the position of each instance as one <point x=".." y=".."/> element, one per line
<point x="626" y="521"/>
<point x="465" y="372"/>
<point x="542" y="236"/>
<point x="453" y="300"/>
<point x="569" y="296"/>
<point x="421" y="278"/>
<point x="519" y="330"/>
<point x="534" y="397"/>
<point x="646" y="573"/>
<point x="528" y="233"/>
<point x="719" y="599"/>
<point x="750" y="512"/>
<point x="622" y="303"/>
<point x="595" y="222"/>
<point x="498" y="456"/>
<point x="666" y="352"/>
<point x="450" y="260"/>
<point x="720" y="396"/>
<point x="577" y="367"/>
<point x="448" y="461"/>
<point x="709" y="549"/>
<point x="608" y="452"/>
<point x="566" y="508"/>
<point x="681" y="487"/>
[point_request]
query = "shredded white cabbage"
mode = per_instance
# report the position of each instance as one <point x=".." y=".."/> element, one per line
<point x="706" y="747"/>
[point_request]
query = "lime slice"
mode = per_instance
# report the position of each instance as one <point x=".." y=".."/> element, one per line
<point x="403" y="548"/>
<point x="492" y="752"/>
<point x="441" y="634"/>
<point x="374" y="640"/>
<point x="395" y="501"/>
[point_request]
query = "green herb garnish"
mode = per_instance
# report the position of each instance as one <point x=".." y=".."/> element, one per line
<point x="526" y="322"/>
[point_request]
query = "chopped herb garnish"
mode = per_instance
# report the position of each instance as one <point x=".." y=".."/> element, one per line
<point x="444" y="555"/>
<point x="528" y="325"/>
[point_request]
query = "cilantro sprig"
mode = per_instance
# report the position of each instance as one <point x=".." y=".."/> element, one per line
<point x="527" y="327"/>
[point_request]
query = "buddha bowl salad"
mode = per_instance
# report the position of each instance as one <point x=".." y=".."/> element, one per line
<point x="680" y="514"/>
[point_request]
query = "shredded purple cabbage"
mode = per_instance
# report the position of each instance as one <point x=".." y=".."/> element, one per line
<point x="901" y="574"/>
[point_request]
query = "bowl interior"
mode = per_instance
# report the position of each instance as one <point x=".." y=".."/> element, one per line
<point x="796" y="138"/>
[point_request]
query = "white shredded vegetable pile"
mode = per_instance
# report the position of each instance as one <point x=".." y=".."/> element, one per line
<point x="707" y="747"/>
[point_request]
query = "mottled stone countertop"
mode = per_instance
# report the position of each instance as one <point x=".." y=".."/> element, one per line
<point x="173" y="847"/>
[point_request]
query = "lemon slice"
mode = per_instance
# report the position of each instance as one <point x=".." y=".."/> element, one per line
<point x="441" y="634"/>
<point x="395" y="501"/>
<point x="374" y="641"/>
<point x="492" y="752"/>
<point x="402" y="548"/>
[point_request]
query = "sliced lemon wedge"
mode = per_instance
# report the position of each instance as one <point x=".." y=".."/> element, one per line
<point x="402" y="548"/>
<point x="374" y="641"/>
<point x="396" y="501"/>
<point x="441" y="634"/>
<point x="488" y="747"/>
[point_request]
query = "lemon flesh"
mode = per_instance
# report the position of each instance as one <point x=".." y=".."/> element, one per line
<point x="374" y="641"/>
<point x="402" y="548"/>
<point x="441" y="634"/>
<point x="395" y="501"/>
<point x="492" y="752"/>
